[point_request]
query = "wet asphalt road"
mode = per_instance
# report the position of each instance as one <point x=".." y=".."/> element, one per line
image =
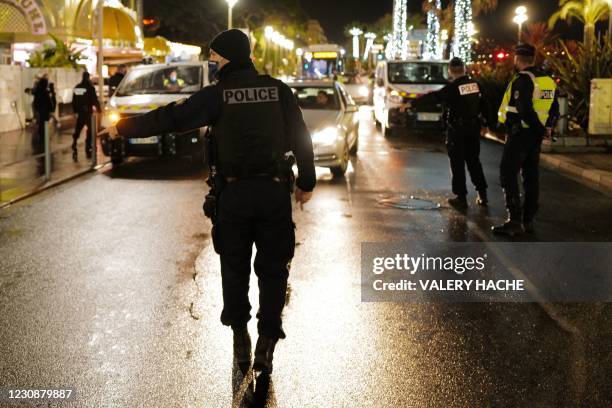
<point x="109" y="285"/>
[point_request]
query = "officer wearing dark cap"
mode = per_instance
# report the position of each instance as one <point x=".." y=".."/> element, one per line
<point x="465" y="114"/>
<point x="256" y="123"/>
<point x="528" y="113"/>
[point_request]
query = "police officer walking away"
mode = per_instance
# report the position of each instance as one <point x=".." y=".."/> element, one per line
<point x="465" y="114"/>
<point x="528" y="111"/>
<point x="255" y="121"/>
<point x="84" y="103"/>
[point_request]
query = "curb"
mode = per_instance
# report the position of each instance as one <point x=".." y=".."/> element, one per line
<point x="48" y="186"/>
<point x="600" y="180"/>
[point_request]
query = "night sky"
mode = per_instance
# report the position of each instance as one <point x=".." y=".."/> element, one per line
<point x="335" y="14"/>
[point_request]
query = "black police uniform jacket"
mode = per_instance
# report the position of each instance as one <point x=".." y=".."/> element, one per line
<point x="255" y="119"/>
<point x="84" y="98"/>
<point x="463" y="100"/>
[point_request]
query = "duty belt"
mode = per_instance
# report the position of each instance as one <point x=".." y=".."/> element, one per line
<point x="263" y="176"/>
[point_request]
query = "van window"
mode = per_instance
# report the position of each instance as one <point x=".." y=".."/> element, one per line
<point x="162" y="80"/>
<point x="418" y="73"/>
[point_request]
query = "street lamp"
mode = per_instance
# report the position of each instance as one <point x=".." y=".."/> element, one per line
<point x="230" y="6"/>
<point x="355" y="32"/>
<point x="520" y="17"/>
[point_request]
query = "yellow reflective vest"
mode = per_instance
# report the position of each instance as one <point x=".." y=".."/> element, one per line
<point x="544" y="88"/>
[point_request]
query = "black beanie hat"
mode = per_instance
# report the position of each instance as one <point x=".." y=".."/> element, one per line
<point x="233" y="45"/>
<point x="456" y="63"/>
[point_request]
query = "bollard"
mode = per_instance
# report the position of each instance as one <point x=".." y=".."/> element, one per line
<point x="47" y="151"/>
<point x="93" y="128"/>
<point x="563" y="116"/>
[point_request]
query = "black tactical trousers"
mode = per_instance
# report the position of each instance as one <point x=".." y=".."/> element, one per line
<point x="463" y="147"/>
<point x="255" y="211"/>
<point x="521" y="154"/>
<point x="83" y="119"/>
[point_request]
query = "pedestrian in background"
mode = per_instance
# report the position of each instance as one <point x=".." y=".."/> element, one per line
<point x="528" y="112"/>
<point x="43" y="105"/>
<point x="255" y="121"/>
<point x="116" y="79"/>
<point x="466" y="117"/>
<point x="84" y="103"/>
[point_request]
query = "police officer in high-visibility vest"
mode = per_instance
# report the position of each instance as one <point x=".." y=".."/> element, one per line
<point x="528" y="112"/>
<point x="466" y="116"/>
<point x="255" y="121"/>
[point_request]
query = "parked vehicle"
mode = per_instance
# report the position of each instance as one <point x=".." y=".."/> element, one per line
<point x="148" y="87"/>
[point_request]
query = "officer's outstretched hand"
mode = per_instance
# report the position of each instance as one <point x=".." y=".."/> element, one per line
<point x="302" y="197"/>
<point x="111" y="131"/>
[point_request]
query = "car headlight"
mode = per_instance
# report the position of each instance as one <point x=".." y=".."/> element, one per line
<point x="364" y="91"/>
<point x="326" y="136"/>
<point x="395" y="97"/>
<point x="112" y="117"/>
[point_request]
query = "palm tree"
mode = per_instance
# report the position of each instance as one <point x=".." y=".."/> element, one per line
<point x="589" y="12"/>
<point x="540" y="37"/>
<point x="483" y="6"/>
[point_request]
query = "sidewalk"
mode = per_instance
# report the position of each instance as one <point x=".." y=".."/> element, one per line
<point x="22" y="172"/>
<point x="591" y="169"/>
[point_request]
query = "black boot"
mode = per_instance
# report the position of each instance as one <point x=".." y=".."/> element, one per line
<point x="513" y="225"/>
<point x="264" y="352"/>
<point x="528" y="226"/>
<point x="509" y="228"/>
<point x="75" y="156"/>
<point x="242" y="345"/>
<point x="482" y="199"/>
<point x="459" y="202"/>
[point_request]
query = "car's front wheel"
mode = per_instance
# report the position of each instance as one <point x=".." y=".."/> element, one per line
<point x="340" y="170"/>
<point x="116" y="159"/>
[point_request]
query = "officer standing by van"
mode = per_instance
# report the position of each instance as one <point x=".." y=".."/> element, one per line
<point x="84" y="103"/>
<point x="528" y="112"/>
<point x="465" y="115"/>
<point x="255" y="121"/>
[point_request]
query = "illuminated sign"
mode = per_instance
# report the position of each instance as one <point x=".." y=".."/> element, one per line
<point x="325" y="55"/>
<point x="32" y="12"/>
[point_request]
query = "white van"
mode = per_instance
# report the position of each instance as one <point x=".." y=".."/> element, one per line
<point x="148" y="87"/>
<point x="399" y="81"/>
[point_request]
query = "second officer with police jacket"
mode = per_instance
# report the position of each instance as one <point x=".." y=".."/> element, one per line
<point x="255" y="121"/>
<point x="465" y="114"/>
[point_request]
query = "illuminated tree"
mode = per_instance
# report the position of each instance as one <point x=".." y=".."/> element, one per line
<point x="433" y="45"/>
<point x="399" y="38"/>
<point x="462" y="41"/>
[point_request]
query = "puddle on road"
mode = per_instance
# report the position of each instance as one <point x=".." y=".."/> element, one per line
<point x="407" y="202"/>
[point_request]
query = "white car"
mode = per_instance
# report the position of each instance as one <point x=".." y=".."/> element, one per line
<point x="399" y="81"/>
<point x="332" y="117"/>
<point x="358" y="87"/>
<point x="148" y="87"/>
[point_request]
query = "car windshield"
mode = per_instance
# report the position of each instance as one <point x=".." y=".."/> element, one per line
<point x="320" y="98"/>
<point x="166" y="80"/>
<point x="418" y="73"/>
